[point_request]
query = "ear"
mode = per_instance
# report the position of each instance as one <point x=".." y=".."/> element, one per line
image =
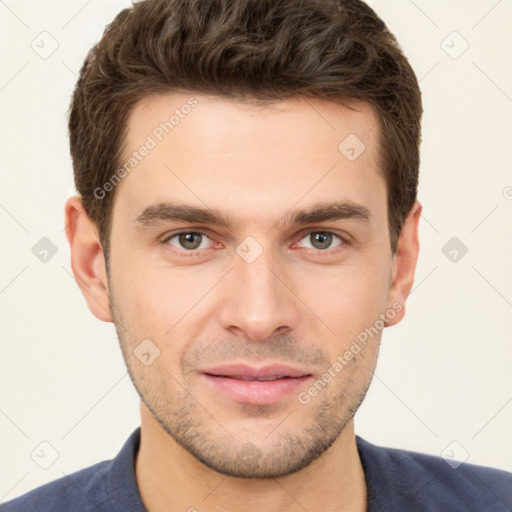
<point x="404" y="264"/>
<point x="87" y="259"/>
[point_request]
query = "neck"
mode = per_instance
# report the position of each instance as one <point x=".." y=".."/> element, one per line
<point x="171" y="479"/>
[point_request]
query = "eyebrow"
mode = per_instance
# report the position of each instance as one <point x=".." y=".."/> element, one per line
<point x="321" y="212"/>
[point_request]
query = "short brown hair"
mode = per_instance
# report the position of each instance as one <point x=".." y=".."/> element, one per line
<point x="263" y="50"/>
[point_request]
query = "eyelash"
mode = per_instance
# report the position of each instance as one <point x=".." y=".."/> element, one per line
<point x="195" y="252"/>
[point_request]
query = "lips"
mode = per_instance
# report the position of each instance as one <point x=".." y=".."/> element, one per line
<point x="246" y="372"/>
<point x="259" y="379"/>
<point x="256" y="385"/>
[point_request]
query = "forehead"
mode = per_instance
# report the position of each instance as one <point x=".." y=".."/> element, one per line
<point x="238" y="156"/>
<point x="219" y="124"/>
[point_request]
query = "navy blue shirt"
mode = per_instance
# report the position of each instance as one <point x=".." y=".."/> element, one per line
<point x="397" y="480"/>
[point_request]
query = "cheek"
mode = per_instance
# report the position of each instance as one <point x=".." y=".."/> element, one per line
<point x="161" y="304"/>
<point x="140" y="295"/>
<point x="349" y="299"/>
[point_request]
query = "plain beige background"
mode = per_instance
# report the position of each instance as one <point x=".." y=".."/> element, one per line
<point x="443" y="382"/>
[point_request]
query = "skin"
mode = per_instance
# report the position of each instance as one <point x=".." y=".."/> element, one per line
<point x="296" y="303"/>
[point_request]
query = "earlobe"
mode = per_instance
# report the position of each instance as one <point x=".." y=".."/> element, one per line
<point x="404" y="264"/>
<point x="87" y="258"/>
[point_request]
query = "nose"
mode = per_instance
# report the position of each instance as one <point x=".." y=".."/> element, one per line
<point x="259" y="298"/>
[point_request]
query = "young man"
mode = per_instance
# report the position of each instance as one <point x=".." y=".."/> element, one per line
<point x="247" y="218"/>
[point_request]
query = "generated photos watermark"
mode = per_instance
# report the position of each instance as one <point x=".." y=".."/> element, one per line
<point x="358" y="343"/>
<point x="156" y="136"/>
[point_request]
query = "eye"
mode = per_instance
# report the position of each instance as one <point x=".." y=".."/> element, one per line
<point x="322" y="240"/>
<point x="188" y="240"/>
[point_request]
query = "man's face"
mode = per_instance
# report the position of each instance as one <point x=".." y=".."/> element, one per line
<point x="224" y="306"/>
